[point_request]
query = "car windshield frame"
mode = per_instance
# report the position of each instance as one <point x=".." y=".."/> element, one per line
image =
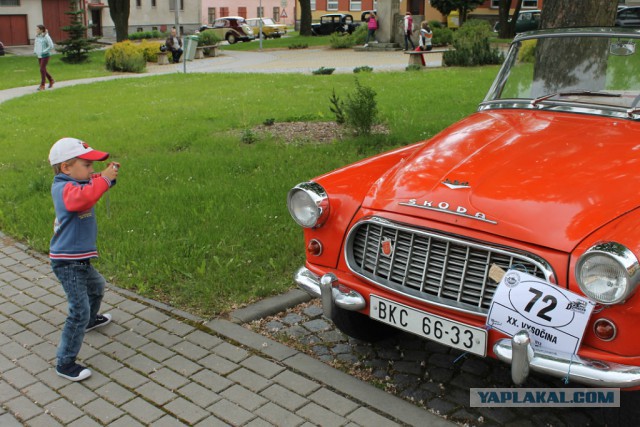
<point x="617" y="96"/>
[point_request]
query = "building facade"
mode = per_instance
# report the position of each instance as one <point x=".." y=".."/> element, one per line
<point x="281" y="11"/>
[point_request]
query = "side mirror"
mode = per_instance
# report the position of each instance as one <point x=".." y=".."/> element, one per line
<point x="622" y="48"/>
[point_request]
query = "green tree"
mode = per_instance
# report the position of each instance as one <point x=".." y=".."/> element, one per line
<point x="305" y="17"/>
<point x="119" y="11"/>
<point x="76" y="48"/>
<point x="445" y="7"/>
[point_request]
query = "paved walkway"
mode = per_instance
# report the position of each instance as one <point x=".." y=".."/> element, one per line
<point x="154" y="365"/>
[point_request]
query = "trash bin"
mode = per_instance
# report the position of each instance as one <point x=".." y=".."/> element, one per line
<point x="453" y="20"/>
<point x="190" y="44"/>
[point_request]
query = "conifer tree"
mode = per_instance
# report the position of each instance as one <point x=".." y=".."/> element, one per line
<point x="76" y="48"/>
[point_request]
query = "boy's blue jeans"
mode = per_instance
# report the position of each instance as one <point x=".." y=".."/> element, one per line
<point x="84" y="287"/>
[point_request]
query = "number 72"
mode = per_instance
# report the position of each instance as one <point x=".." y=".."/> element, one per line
<point x="542" y="313"/>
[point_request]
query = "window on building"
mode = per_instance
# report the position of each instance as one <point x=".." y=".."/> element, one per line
<point x="153" y="3"/>
<point x="332" y="4"/>
<point x="140" y="29"/>
<point x="355" y="5"/>
<point x="224" y="11"/>
<point x="260" y="12"/>
<point x="313" y="4"/>
<point x="276" y="14"/>
<point x="172" y="5"/>
<point x="242" y="11"/>
<point x="211" y="14"/>
<point x="9" y="2"/>
<point x="138" y="3"/>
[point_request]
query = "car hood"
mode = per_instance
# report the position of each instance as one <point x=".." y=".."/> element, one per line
<point x="547" y="178"/>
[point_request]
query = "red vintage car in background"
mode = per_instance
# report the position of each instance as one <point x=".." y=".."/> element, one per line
<point x="543" y="179"/>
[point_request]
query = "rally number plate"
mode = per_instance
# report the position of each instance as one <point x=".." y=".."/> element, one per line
<point x="436" y="328"/>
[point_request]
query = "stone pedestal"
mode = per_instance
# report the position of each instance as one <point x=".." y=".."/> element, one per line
<point x="387" y="10"/>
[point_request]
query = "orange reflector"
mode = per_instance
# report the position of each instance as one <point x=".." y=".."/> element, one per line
<point x="604" y="329"/>
<point x="314" y="247"/>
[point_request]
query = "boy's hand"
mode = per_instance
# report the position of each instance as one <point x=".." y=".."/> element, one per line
<point x="111" y="171"/>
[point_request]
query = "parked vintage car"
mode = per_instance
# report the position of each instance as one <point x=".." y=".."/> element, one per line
<point x="269" y="27"/>
<point x="527" y="209"/>
<point x="528" y="20"/>
<point x="628" y="17"/>
<point x="231" y="28"/>
<point x="332" y="23"/>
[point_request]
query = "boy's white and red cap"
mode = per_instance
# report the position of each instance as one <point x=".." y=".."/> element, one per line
<point x="69" y="148"/>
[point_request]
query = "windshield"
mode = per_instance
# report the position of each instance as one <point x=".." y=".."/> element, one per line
<point x="268" y="21"/>
<point x="557" y="68"/>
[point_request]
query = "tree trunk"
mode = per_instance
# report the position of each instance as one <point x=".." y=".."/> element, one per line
<point x="552" y="55"/>
<point x="119" y="11"/>
<point x="508" y="29"/>
<point x="305" y="17"/>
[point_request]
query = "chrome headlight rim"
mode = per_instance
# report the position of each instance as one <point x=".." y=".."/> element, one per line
<point x="620" y="255"/>
<point x="317" y="197"/>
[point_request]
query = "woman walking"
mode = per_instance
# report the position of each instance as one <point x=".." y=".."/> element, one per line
<point x="42" y="47"/>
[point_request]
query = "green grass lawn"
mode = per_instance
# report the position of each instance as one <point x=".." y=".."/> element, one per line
<point x="18" y="71"/>
<point x="198" y="218"/>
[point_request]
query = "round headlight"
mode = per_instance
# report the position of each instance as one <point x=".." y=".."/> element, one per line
<point x="308" y="204"/>
<point x="608" y="273"/>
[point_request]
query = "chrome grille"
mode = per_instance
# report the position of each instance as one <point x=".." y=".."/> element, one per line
<point x="442" y="269"/>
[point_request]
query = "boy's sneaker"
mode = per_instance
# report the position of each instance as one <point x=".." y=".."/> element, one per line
<point x="101" y="320"/>
<point x="73" y="372"/>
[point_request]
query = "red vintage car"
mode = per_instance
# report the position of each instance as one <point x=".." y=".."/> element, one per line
<point x="543" y="179"/>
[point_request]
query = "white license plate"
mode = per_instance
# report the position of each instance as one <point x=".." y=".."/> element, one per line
<point x="436" y="328"/>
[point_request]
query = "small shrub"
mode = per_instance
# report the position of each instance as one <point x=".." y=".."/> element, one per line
<point x="249" y="137"/>
<point x="155" y="34"/>
<point x="527" y="52"/>
<point x="471" y="43"/>
<point x="298" y="46"/>
<point x="323" y="70"/>
<point x="269" y="122"/>
<point x="361" y="109"/>
<point x="337" y="107"/>
<point x="150" y="50"/>
<point x="436" y="24"/>
<point x="360" y="34"/>
<point x="442" y="36"/>
<point x="208" y="38"/>
<point x="363" y="69"/>
<point x="413" y="67"/>
<point x="341" y="41"/>
<point x="125" y="56"/>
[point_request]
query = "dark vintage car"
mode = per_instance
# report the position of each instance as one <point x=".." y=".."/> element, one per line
<point x="628" y="17"/>
<point x="511" y="234"/>
<point x="231" y="28"/>
<point x="332" y="23"/>
<point x="528" y="20"/>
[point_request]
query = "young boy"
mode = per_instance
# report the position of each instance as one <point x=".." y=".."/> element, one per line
<point x="75" y="191"/>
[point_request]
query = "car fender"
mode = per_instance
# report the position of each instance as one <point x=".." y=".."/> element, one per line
<point x="346" y="188"/>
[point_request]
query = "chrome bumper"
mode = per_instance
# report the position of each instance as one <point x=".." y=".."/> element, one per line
<point x="520" y="354"/>
<point x="327" y="288"/>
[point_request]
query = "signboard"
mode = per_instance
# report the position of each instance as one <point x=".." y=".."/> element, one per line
<point x="283" y="14"/>
<point x="555" y="318"/>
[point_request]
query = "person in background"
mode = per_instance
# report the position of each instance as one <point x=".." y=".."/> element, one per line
<point x="424" y="42"/>
<point x="174" y="44"/>
<point x="408" y="30"/>
<point x="42" y="46"/>
<point x="372" y="26"/>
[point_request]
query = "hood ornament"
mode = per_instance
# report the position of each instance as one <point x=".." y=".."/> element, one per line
<point x="455" y="185"/>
